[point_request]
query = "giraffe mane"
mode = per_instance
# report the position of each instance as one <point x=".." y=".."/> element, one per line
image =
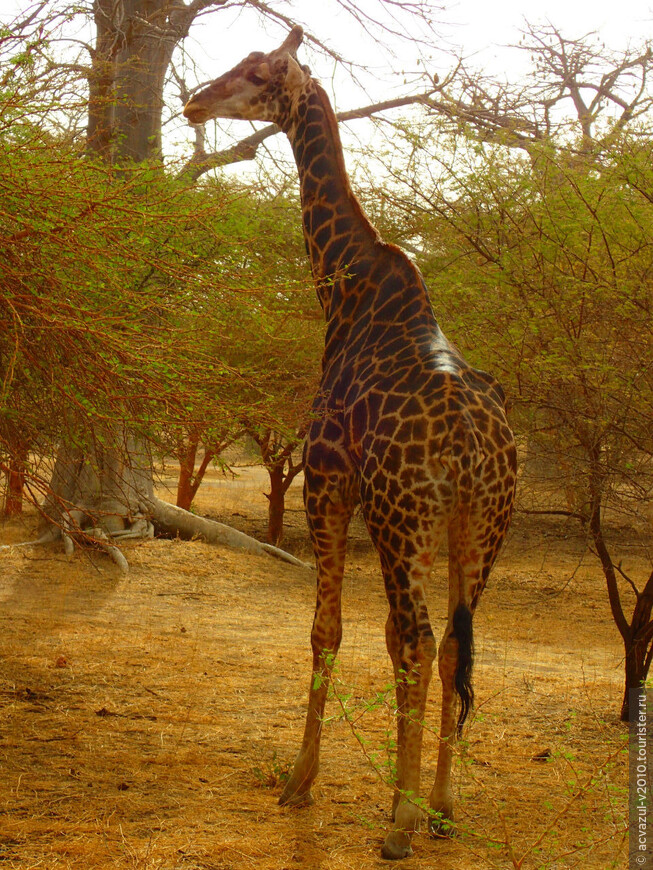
<point x="335" y="132"/>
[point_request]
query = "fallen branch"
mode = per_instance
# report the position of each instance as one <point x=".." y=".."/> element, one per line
<point x="176" y="521"/>
<point x="166" y="518"/>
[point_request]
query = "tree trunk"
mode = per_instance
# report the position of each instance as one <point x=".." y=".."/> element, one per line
<point x="190" y="477"/>
<point x="187" y="485"/>
<point x="101" y="80"/>
<point x="104" y="487"/>
<point x="277" y="504"/>
<point x="101" y="488"/>
<point x="15" y="473"/>
<point x="638" y="646"/>
<point x="107" y="491"/>
<point x="277" y="455"/>
<point x="135" y="41"/>
<point x="112" y="497"/>
<point x="141" y="64"/>
<point x="637" y="634"/>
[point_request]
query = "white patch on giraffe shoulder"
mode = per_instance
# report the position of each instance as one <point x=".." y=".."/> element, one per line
<point x="445" y="365"/>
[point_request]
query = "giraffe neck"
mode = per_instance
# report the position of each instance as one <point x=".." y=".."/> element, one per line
<point x="369" y="290"/>
<point x="337" y="232"/>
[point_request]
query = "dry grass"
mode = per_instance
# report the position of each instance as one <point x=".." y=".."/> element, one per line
<point x="146" y="721"/>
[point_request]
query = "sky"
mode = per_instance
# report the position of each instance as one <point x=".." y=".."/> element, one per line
<point x="481" y="27"/>
<point x="494" y="24"/>
<point x="482" y="30"/>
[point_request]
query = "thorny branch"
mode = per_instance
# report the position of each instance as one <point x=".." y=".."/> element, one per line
<point x="202" y="162"/>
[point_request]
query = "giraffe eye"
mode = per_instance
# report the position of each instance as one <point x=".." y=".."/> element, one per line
<point x="256" y="80"/>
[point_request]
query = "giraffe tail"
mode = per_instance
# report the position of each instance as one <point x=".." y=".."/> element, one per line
<point x="462" y="631"/>
<point x="465" y="464"/>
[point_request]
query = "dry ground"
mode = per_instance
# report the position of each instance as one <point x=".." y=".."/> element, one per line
<point x="145" y="721"/>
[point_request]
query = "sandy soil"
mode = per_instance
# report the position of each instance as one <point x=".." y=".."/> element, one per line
<point x="147" y="721"/>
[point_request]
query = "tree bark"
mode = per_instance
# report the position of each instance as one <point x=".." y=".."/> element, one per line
<point x="113" y="497"/>
<point x="175" y="521"/>
<point x="99" y="488"/>
<point x="145" y="50"/>
<point x="277" y="504"/>
<point x="638" y="646"/>
<point x="15" y="474"/>
<point x="189" y="479"/>
<point x="102" y="488"/>
<point x="101" y="80"/>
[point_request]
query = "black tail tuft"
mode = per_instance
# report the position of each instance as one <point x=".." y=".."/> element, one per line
<point x="462" y="630"/>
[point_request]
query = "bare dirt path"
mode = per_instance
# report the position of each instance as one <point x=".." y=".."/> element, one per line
<point x="145" y="721"/>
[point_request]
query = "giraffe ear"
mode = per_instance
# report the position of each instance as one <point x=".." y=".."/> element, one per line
<point x="295" y="74"/>
<point x="260" y="75"/>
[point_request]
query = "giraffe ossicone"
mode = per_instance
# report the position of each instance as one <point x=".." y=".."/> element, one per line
<point x="401" y="423"/>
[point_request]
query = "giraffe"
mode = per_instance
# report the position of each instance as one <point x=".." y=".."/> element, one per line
<point x="401" y="424"/>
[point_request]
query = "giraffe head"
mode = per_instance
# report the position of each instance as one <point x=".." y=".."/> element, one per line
<point x="259" y="88"/>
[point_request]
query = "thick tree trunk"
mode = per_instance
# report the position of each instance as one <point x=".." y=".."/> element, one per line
<point x="112" y="497"/>
<point x="106" y="491"/>
<point x="101" y="80"/>
<point x="141" y="64"/>
<point x="101" y="488"/>
<point x="135" y="40"/>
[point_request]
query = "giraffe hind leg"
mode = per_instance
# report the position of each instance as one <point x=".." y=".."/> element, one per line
<point x="470" y="562"/>
<point x="393" y="646"/>
<point x="412" y="650"/>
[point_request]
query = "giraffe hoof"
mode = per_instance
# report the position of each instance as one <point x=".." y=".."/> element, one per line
<point x="396" y="846"/>
<point x="296" y="799"/>
<point x="441" y="824"/>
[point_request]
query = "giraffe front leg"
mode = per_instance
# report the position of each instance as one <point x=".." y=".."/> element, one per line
<point x="328" y="516"/>
<point x="297" y="791"/>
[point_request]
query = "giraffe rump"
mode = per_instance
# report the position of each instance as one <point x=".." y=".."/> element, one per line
<point x="462" y="630"/>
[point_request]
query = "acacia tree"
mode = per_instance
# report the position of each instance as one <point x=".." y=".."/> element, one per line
<point x="272" y="337"/>
<point x="571" y="295"/>
<point x="578" y="85"/>
<point x="103" y="475"/>
<point x="279" y="455"/>
<point x="98" y="347"/>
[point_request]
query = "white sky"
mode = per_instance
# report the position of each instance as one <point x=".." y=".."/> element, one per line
<point x="496" y="23"/>
<point x="481" y="29"/>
